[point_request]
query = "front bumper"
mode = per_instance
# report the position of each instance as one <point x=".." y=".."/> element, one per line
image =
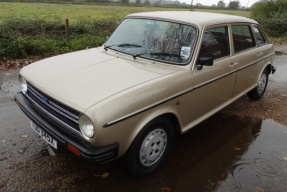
<point x="89" y="152"/>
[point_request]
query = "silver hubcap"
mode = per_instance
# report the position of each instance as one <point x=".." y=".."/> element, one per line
<point x="153" y="147"/>
<point x="262" y="83"/>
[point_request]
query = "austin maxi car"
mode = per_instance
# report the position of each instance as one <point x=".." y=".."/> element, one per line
<point x="157" y="75"/>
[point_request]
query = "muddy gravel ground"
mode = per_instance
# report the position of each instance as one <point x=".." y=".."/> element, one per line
<point x="241" y="148"/>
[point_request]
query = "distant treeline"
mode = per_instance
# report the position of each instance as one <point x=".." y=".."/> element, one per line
<point x="154" y="3"/>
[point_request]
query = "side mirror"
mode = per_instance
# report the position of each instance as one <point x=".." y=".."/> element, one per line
<point x="204" y="61"/>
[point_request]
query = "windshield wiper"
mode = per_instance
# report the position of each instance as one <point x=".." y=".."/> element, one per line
<point x="122" y="45"/>
<point x="158" y="54"/>
<point x="138" y="55"/>
<point x="165" y="54"/>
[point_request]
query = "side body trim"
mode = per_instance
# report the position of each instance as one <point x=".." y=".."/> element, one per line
<point x="179" y="94"/>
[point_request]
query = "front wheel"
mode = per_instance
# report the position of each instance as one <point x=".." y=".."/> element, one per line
<point x="149" y="148"/>
<point x="257" y="92"/>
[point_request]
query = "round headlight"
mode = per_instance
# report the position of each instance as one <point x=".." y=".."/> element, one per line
<point x="86" y="127"/>
<point x="23" y="84"/>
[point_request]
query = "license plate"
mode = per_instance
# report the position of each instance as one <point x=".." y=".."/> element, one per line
<point x="44" y="135"/>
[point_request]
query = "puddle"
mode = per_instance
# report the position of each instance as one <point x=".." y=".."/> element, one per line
<point x="279" y="53"/>
<point x="280" y="62"/>
<point x="223" y="154"/>
<point x="263" y="165"/>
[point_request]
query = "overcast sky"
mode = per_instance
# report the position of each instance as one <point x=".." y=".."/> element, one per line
<point x="211" y="2"/>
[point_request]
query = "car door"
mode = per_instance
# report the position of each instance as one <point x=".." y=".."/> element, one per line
<point x="213" y="85"/>
<point x="251" y="52"/>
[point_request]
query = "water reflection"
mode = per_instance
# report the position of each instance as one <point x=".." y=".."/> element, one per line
<point x="215" y="146"/>
<point x="159" y="40"/>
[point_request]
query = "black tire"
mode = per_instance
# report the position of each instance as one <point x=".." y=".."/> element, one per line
<point x="259" y="90"/>
<point x="155" y="141"/>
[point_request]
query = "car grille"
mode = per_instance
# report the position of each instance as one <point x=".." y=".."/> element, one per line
<point x="59" y="111"/>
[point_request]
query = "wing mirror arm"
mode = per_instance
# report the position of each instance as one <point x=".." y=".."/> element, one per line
<point x="203" y="61"/>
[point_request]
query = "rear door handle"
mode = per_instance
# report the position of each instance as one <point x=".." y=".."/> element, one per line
<point x="259" y="54"/>
<point x="233" y="64"/>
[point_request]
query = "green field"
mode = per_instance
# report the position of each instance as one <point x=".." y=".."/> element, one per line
<point x="77" y="12"/>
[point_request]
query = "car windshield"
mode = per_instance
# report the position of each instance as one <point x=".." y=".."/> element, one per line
<point x="159" y="40"/>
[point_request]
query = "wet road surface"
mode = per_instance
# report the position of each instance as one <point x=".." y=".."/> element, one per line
<point x="241" y="148"/>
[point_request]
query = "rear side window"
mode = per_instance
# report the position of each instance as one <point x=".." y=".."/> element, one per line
<point x="242" y="38"/>
<point x="259" y="36"/>
<point x="215" y="43"/>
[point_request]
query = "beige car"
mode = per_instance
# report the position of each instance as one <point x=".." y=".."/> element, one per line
<point x="159" y="74"/>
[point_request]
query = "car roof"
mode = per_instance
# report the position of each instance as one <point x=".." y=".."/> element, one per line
<point x="200" y="19"/>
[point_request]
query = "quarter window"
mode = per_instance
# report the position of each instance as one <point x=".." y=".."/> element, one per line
<point x="242" y="38"/>
<point x="215" y="43"/>
<point x="258" y="35"/>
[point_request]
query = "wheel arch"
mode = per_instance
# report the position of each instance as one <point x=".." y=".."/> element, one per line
<point x="174" y="121"/>
<point x="257" y="92"/>
<point x="170" y="116"/>
<point x="269" y="68"/>
<point x="141" y="151"/>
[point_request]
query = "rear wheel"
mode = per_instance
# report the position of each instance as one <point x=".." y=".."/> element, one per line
<point x="149" y="148"/>
<point x="257" y="92"/>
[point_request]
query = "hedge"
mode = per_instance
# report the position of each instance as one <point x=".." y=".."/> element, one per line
<point x="20" y="38"/>
<point x="276" y="27"/>
<point x="24" y="37"/>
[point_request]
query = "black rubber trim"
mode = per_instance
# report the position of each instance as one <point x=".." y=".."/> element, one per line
<point x="89" y="152"/>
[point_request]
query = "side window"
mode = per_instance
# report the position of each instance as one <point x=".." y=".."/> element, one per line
<point x="259" y="36"/>
<point x="215" y="43"/>
<point x="242" y="38"/>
